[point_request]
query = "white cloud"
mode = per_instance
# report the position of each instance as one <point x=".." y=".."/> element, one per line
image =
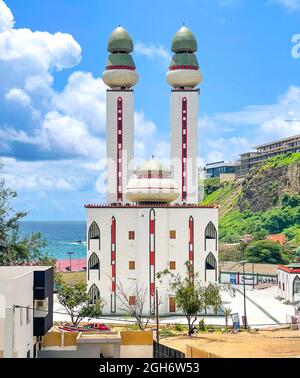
<point x="6" y="17"/>
<point x="152" y="51"/>
<point x="18" y="95"/>
<point x="84" y="98"/>
<point x="290" y="5"/>
<point x="254" y="125"/>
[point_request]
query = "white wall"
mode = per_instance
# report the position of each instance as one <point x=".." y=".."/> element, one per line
<point x="111" y="139"/>
<point x="136" y="351"/>
<point x="137" y="219"/>
<point x="19" y="291"/>
<point x="192" y="141"/>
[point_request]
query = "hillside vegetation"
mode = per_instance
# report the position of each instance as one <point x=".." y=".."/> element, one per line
<point x="266" y="202"/>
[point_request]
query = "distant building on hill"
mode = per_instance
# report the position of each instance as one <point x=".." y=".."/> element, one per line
<point x="249" y="160"/>
<point x="280" y="238"/>
<point x="219" y="168"/>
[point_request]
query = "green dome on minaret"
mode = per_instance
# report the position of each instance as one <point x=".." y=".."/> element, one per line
<point x="184" y="41"/>
<point x="120" y="41"/>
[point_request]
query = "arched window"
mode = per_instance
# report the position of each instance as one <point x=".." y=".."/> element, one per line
<point x="94" y="294"/>
<point x="211" y="234"/>
<point x="296" y="289"/>
<point x="94" y="264"/>
<point x="211" y="264"/>
<point x="94" y="233"/>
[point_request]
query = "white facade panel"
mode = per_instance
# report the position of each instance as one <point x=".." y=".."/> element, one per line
<point x="112" y="97"/>
<point x="138" y="250"/>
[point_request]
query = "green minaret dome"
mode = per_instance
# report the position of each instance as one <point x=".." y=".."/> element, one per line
<point x="184" y="41"/>
<point x="120" y="41"/>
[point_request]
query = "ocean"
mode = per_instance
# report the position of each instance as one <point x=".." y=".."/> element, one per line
<point x="61" y="237"/>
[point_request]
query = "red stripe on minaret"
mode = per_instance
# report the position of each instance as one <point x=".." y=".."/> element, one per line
<point x="113" y="264"/>
<point x="119" y="149"/>
<point x="152" y="227"/>
<point x="191" y="247"/>
<point x="152" y="260"/>
<point x="184" y="149"/>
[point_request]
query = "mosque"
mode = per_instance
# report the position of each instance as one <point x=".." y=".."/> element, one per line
<point x="151" y="220"/>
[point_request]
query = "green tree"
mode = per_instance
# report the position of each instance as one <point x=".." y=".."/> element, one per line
<point x="264" y="251"/>
<point x="212" y="297"/>
<point x="191" y="295"/>
<point x="14" y="249"/>
<point x="75" y="299"/>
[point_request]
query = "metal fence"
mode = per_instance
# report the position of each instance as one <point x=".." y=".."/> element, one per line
<point x="162" y="351"/>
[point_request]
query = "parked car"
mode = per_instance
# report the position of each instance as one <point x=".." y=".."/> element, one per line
<point x="90" y="327"/>
<point x="96" y="327"/>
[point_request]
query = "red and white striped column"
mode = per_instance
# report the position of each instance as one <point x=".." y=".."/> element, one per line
<point x="152" y="260"/>
<point x="191" y="247"/>
<point x="119" y="149"/>
<point x="184" y="148"/>
<point x="113" y="265"/>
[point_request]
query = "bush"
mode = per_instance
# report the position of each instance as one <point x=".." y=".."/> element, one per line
<point x="179" y="327"/>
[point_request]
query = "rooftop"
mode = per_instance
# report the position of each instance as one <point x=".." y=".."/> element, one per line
<point x="12" y="272"/>
<point x="278" y="141"/>
<point x="150" y="205"/>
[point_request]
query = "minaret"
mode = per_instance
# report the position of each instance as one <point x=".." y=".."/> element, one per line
<point x="184" y="76"/>
<point x="120" y="76"/>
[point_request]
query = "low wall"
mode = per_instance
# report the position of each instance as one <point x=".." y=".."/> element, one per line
<point x="132" y="344"/>
<point x="59" y="339"/>
<point x="193" y="352"/>
<point x="136" y="344"/>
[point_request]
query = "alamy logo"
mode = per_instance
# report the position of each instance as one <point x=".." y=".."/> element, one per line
<point x="296" y="47"/>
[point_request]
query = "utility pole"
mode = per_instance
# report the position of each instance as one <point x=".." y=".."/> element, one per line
<point x="244" y="284"/>
<point x="157" y="319"/>
<point x="70" y="254"/>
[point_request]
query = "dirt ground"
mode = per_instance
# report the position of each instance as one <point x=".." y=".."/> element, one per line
<point x="262" y="344"/>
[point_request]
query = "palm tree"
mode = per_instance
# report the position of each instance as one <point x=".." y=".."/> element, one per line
<point x="227" y="312"/>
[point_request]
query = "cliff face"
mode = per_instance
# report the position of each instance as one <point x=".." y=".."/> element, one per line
<point x="262" y="189"/>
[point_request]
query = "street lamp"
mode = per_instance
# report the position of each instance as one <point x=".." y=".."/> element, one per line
<point x="70" y="254"/>
<point x="244" y="286"/>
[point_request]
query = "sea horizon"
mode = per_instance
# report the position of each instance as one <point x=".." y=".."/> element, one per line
<point x="62" y="237"/>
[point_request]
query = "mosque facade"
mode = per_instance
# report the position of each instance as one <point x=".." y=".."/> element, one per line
<point x="152" y="220"/>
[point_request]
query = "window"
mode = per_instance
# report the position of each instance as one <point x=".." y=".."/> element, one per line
<point x="131" y="235"/>
<point x="131" y="265"/>
<point x="172" y="265"/>
<point x="172" y="234"/>
<point x="28" y="315"/>
<point x="132" y="300"/>
<point x="210" y="233"/>
<point x="283" y="286"/>
<point x="172" y="304"/>
<point x="94" y="264"/>
<point x="21" y="316"/>
<point x="94" y="294"/>
<point x="211" y="264"/>
<point x="94" y="233"/>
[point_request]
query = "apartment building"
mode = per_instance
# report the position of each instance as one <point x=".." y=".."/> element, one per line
<point x="249" y="160"/>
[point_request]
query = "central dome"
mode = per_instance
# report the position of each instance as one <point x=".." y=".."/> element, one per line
<point x="152" y="184"/>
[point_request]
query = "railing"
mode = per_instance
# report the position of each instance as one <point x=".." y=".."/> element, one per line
<point x="162" y="351"/>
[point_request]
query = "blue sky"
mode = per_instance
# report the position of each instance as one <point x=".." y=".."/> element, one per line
<point x="52" y="99"/>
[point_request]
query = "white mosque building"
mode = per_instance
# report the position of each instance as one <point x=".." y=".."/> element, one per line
<point x="152" y="220"/>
